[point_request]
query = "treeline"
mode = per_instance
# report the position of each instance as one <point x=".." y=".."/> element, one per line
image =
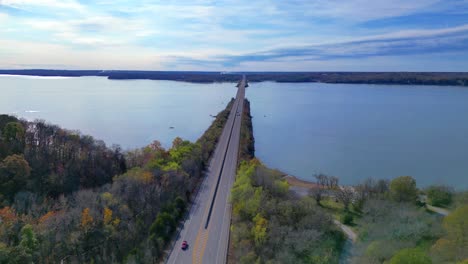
<point x="186" y="76"/>
<point x="196" y="77"/>
<point x="270" y="225"/>
<point x="128" y="220"/>
<point x="247" y="141"/>
<point x="410" y="78"/>
<point x="47" y="160"/>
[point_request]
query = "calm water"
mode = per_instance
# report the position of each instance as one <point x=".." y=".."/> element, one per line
<point x="350" y="131"/>
<point x="360" y="131"/>
<point x="130" y="113"/>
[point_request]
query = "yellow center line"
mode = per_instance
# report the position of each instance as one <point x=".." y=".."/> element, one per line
<point x="203" y="235"/>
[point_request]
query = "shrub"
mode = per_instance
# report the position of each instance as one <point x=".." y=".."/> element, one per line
<point x="410" y="256"/>
<point x="439" y="195"/>
<point x="347" y="218"/>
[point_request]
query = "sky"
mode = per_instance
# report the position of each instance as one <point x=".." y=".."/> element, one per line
<point x="235" y="35"/>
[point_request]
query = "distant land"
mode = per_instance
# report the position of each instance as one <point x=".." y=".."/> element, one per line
<point x="410" y="78"/>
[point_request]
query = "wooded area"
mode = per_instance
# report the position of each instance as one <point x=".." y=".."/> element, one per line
<point x="102" y="207"/>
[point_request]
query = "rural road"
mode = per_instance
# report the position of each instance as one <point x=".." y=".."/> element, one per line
<point x="207" y="226"/>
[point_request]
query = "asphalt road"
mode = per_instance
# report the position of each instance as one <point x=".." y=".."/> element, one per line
<point x="207" y="227"/>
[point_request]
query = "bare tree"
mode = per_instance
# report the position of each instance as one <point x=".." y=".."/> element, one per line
<point x="333" y="182"/>
<point x="322" y="180"/>
<point x="346" y="195"/>
<point x="317" y="193"/>
<point x="382" y="186"/>
<point x="319" y="190"/>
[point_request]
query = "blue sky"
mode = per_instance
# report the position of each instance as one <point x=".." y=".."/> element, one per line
<point x="237" y="35"/>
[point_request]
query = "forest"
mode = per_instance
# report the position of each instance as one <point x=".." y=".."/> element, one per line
<point x="96" y="205"/>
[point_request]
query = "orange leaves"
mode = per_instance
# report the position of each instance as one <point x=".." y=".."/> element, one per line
<point x="7" y="215"/>
<point x="46" y="217"/>
<point x="107" y="218"/>
<point x="86" y="219"/>
<point x="147" y="177"/>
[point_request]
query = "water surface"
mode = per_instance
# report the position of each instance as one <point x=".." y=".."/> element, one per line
<point x="360" y="131"/>
<point x="131" y="113"/>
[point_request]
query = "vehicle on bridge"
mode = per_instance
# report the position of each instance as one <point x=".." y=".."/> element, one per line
<point x="184" y="245"/>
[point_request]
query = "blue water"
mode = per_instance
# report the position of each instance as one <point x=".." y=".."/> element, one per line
<point x="360" y="131"/>
<point x="130" y="113"/>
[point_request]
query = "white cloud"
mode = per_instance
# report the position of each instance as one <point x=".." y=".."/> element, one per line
<point x="24" y="4"/>
<point x="97" y="31"/>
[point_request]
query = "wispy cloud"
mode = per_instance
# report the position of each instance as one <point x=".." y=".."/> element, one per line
<point x="411" y="42"/>
<point x="226" y="34"/>
<point x="51" y="4"/>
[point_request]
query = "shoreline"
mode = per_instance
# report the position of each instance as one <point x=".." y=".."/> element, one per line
<point x="296" y="182"/>
<point x="298" y="186"/>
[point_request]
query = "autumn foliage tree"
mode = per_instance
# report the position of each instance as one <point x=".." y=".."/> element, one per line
<point x="81" y="202"/>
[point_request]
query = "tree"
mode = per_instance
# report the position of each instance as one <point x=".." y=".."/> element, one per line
<point x="107" y="216"/>
<point x="403" y="189"/>
<point x="439" y="195"/>
<point x="317" y="193"/>
<point x="259" y="229"/>
<point x="26" y="251"/>
<point x="410" y="256"/>
<point x="322" y="183"/>
<point x="28" y="239"/>
<point x="177" y="142"/>
<point x="86" y="219"/>
<point x="345" y="195"/>
<point x="13" y="134"/>
<point x="14" y="175"/>
<point x="456" y="225"/>
<point x="163" y="226"/>
<point x="180" y="206"/>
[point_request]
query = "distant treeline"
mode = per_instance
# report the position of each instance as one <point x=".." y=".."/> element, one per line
<point x="247" y="141"/>
<point x="186" y="76"/>
<point x="413" y="78"/>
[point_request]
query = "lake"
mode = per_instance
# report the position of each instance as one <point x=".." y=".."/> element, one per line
<point x="350" y="131"/>
<point x="356" y="131"/>
<point x="131" y="113"/>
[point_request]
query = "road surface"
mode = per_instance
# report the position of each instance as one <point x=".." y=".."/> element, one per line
<point x="207" y="227"/>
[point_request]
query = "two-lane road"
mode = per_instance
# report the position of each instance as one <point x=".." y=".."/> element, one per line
<point x="207" y="227"/>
